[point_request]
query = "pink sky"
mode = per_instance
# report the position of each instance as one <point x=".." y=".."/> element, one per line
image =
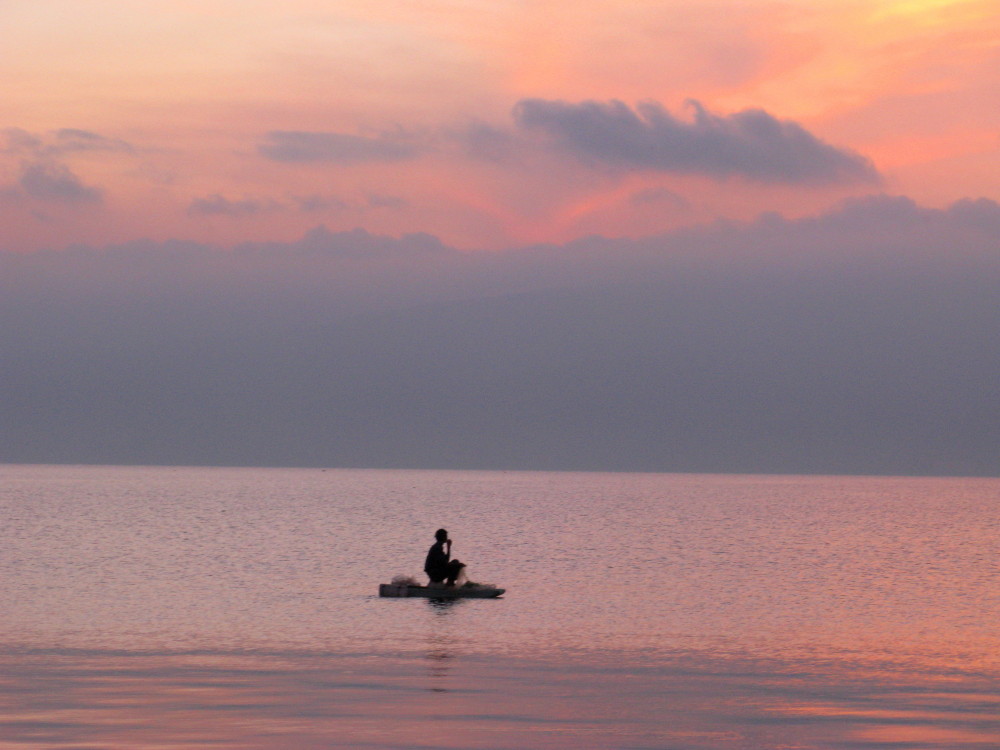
<point x="489" y="124"/>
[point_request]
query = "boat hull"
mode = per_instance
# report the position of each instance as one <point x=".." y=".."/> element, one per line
<point x="439" y="592"/>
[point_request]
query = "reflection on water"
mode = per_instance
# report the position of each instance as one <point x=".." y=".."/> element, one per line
<point x="314" y="700"/>
<point x="440" y="642"/>
<point x="147" y="609"/>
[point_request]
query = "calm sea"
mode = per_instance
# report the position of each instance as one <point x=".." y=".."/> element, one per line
<point x="236" y="608"/>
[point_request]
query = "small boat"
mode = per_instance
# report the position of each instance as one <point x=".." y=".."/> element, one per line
<point x="440" y="591"/>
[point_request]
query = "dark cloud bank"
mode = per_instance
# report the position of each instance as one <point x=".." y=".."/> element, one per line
<point x="863" y="341"/>
<point x="752" y="144"/>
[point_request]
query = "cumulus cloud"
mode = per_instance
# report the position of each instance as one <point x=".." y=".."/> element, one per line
<point x="54" y="183"/>
<point x="752" y="144"/>
<point x="337" y="148"/>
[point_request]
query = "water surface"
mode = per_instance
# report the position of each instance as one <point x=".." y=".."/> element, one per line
<point x="176" y="607"/>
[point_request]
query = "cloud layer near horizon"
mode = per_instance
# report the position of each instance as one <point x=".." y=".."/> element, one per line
<point x="547" y="169"/>
<point x="851" y="342"/>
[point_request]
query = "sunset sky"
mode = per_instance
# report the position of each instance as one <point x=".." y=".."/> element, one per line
<point x="681" y="235"/>
<point x="488" y="124"/>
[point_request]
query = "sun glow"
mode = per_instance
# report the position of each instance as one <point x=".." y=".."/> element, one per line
<point x="931" y="15"/>
<point x="195" y="89"/>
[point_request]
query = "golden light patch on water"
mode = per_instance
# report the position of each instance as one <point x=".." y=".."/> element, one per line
<point x="923" y="735"/>
<point x="274" y="700"/>
<point x="870" y="715"/>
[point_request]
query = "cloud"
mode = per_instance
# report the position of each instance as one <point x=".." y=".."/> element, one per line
<point x="752" y="144"/>
<point x="72" y="139"/>
<point x="859" y="341"/>
<point x="337" y="148"/>
<point x="54" y="183"/>
<point x="43" y="175"/>
<point x="18" y="141"/>
<point x="59" y="142"/>
<point x="315" y="202"/>
<point x="481" y="140"/>
<point x="218" y="205"/>
<point x="658" y="196"/>
<point x="357" y="244"/>
<point x="380" y="200"/>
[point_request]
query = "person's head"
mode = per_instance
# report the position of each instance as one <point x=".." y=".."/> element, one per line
<point x="441" y="535"/>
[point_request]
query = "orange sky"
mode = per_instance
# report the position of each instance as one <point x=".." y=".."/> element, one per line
<point x="175" y="100"/>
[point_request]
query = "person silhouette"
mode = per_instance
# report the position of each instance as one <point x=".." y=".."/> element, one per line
<point x="439" y="566"/>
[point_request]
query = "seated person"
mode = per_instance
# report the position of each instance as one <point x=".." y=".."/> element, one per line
<point x="439" y="566"/>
